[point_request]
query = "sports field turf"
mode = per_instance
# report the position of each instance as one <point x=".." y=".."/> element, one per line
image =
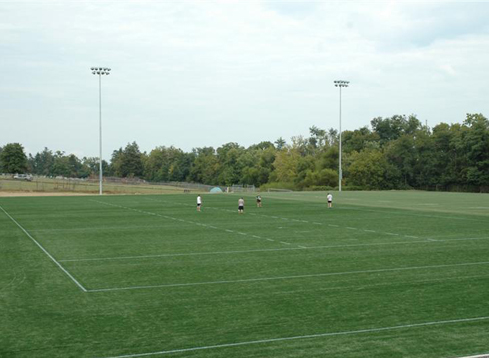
<point x="382" y="274"/>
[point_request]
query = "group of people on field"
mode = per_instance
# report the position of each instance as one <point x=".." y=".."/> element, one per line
<point x="241" y="202"/>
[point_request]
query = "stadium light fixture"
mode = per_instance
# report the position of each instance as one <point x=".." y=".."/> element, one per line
<point x="100" y="71"/>
<point x="340" y="84"/>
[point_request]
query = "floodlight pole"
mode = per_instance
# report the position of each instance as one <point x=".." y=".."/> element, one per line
<point x="340" y="84"/>
<point x="100" y="71"/>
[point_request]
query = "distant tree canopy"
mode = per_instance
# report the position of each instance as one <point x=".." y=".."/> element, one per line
<point x="13" y="158"/>
<point x="396" y="153"/>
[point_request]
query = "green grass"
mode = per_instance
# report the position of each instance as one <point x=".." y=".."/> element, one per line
<point x="382" y="274"/>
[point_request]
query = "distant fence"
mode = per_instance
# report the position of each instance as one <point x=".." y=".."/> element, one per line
<point x="457" y="188"/>
<point x="87" y="186"/>
<point x="110" y="185"/>
<point x="236" y="188"/>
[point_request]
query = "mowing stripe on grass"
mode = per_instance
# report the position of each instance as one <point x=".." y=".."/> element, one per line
<point x="288" y="277"/>
<point x="309" y="336"/>
<point x="45" y="251"/>
<point x="300" y="247"/>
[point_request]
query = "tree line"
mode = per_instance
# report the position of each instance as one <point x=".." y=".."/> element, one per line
<point x="397" y="152"/>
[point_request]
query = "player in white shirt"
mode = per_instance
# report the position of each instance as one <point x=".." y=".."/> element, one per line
<point x="241" y="206"/>
<point x="330" y="200"/>
<point x="199" y="202"/>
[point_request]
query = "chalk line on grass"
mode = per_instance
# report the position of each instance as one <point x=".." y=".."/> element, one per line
<point x="305" y="221"/>
<point x="175" y="219"/>
<point x="394" y="269"/>
<point x="309" y="336"/>
<point x="45" y="251"/>
<point x="410" y="242"/>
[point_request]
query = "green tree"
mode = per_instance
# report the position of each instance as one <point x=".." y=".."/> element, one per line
<point x="205" y="167"/>
<point x="128" y="162"/>
<point x="42" y="163"/>
<point x="285" y="165"/>
<point x="370" y="169"/>
<point x="229" y="165"/>
<point x="13" y="159"/>
<point x="280" y="143"/>
<point x="389" y="129"/>
<point x="359" y="140"/>
<point x="477" y="149"/>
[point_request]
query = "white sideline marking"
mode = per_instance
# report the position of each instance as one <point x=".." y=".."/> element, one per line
<point x="287" y="277"/>
<point x="45" y="251"/>
<point x="309" y="336"/>
<point x="479" y="356"/>
<point x="405" y="212"/>
<point x="265" y="250"/>
<point x="182" y="254"/>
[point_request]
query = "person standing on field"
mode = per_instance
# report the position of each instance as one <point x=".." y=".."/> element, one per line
<point x="199" y="202"/>
<point x="258" y="201"/>
<point x="241" y="206"/>
<point x="330" y="200"/>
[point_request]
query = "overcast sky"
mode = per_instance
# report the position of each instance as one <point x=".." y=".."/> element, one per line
<point x="205" y="73"/>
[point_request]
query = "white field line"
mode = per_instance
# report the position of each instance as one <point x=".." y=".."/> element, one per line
<point x="405" y="212"/>
<point x="395" y="269"/>
<point x="303" y="221"/>
<point x="175" y="219"/>
<point x="45" y="251"/>
<point x="183" y="254"/>
<point x="309" y="336"/>
<point x="479" y="356"/>
<point x="410" y="242"/>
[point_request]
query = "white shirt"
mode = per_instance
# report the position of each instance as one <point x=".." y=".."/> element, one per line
<point x="199" y="200"/>
<point x="330" y="197"/>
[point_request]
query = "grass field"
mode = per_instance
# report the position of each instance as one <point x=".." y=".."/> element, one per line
<point x="382" y="274"/>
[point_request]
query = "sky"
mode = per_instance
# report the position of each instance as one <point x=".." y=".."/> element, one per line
<point x="205" y="73"/>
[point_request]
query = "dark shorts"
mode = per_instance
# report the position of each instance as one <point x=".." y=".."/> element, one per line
<point x="329" y="201"/>
<point x="240" y="207"/>
<point x="199" y="204"/>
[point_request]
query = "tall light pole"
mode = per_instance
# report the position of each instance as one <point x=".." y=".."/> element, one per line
<point x="340" y="84"/>
<point x="100" y="71"/>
